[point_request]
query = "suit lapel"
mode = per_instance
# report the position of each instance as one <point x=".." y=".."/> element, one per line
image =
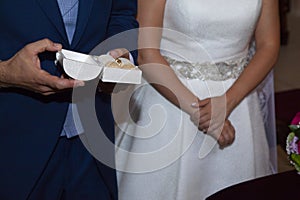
<point x="51" y="9"/>
<point x="84" y="11"/>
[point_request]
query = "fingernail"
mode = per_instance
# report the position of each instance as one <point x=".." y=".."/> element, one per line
<point x="79" y="83"/>
<point x="113" y="54"/>
<point x="57" y="45"/>
<point x="194" y="104"/>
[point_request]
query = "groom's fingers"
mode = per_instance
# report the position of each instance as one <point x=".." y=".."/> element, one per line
<point x="43" y="45"/>
<point x="121" y="52"/>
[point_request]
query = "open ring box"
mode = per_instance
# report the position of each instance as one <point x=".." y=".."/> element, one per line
<point x="87" y="67"/>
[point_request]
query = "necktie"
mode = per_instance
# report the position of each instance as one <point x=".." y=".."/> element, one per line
<point x="69" y="11"/>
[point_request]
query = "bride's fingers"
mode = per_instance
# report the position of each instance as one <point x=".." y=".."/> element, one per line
<point x="223" y="137"/>
<point x="228" y="138"/>
<point x="213" y="128"/>
<point x="200" y="103"/>
<point x="229" y="134"/>
<point x="204" y="118"/>
<point x="232" y="133"/>
<point x="216" y="124"/>
<point x="199" y="118"/>
<point x="221" y="141"/>
<point x="195" y="117"/>
<point x="204" y="127"/>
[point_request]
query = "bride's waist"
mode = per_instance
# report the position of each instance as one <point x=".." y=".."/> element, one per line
<point x="215" y="71"/>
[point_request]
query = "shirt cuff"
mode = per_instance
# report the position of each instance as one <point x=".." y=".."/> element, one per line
<point x="131" y="58"/>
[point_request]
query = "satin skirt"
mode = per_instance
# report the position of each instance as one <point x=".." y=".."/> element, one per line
<point x="160" y="154"/>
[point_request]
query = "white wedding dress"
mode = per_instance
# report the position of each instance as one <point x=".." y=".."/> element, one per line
<point x="160" y="154"/>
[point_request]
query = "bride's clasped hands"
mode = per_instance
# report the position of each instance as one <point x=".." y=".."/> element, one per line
<point x="211" y="117"/>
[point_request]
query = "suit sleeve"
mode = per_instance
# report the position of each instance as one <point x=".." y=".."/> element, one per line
<point x="122" y="19"/>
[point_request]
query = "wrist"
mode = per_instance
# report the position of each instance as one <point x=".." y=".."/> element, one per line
<point x="232" y="100"/>
<point x="193" y="106"/>
<point x="2" y="74"/>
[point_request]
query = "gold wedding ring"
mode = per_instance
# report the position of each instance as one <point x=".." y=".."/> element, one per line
<point x="118" y="61"/>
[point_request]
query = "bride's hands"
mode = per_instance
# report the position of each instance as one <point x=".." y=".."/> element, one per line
<point x="210" y="117"/>
<point x="211" y="112"/>
<point x="225" y="136"/>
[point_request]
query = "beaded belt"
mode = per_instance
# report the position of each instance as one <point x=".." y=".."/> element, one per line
<point x="209" y="71"/>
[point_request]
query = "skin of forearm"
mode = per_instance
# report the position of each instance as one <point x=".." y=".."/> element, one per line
<point x="155" y="68"/>
<point x="267" y="36"/>
<point x="160" y="75"/>
<point x="253" y="75"/>
<point x="2" y="73"/>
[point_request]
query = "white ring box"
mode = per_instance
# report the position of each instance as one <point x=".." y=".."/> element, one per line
<point x="87" y="67"/>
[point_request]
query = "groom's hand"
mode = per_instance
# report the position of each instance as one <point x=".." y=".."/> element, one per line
<point x="109" y="88"/>
<point x="117" y="53"/>
<point x="23" y="70"/>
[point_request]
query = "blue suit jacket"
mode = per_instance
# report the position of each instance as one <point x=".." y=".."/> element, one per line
<point x="30" y="124"/>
